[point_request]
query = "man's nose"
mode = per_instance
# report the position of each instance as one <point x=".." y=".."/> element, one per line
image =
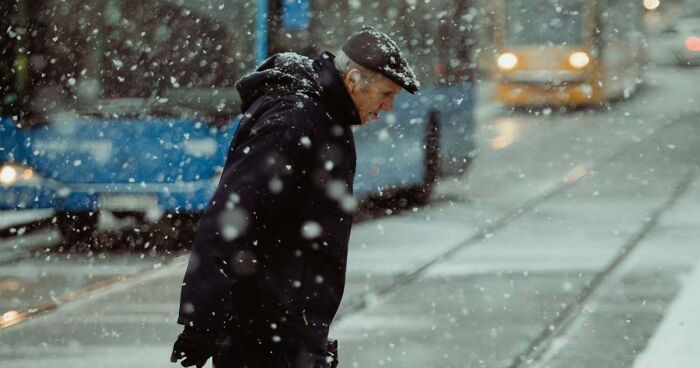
<point x="388" y="105"/>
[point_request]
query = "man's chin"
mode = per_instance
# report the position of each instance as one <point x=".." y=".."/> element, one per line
<point x="370" y="117"/>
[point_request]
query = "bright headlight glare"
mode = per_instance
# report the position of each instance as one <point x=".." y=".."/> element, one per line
<point x="651" y="4"/>
<point x="692" y="43"/>
<point x="11" y="174"/>
<point x="8" y="175"/>
<point x="507" y="61"/>
<point x="27" y="174"/>
<point x="579" y="59"/>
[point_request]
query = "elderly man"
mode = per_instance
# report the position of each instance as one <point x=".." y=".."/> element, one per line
<point x="267" y="270"/>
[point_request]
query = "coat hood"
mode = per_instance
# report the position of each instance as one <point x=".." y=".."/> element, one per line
<point x="292" y="73"/>
<point x="282" y="73"/>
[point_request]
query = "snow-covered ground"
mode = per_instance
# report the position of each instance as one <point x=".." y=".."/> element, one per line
<point x="675" y="343"/>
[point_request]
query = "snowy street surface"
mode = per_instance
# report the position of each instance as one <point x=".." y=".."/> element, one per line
<point x="572" y="242"/>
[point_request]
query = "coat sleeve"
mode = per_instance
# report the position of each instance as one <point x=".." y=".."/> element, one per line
<point x="262" y="170"/>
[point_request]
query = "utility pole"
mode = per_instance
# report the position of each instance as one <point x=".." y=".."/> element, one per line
<point x="8" y="56"/>
<point x="21" y="61"/>
<point x="268" y="25"/>
<point x="89" y="88"/>
<point x="276" y="34"/>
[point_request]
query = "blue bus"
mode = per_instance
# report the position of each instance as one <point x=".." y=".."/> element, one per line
<point x="127" y="107"/>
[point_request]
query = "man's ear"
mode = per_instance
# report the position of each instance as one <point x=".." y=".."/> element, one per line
<point x="353" y="79"/>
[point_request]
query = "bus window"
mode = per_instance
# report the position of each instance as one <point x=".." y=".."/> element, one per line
<point x="559" y="22"/>
<point x="123" y="55"/>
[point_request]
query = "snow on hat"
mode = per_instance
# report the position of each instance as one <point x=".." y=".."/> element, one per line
<point x="374" y="50"/>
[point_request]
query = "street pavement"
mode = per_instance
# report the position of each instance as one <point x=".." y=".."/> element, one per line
<point x="473" y="278"/>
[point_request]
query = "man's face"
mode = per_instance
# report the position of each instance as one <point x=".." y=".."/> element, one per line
<point x="371" y="93"/>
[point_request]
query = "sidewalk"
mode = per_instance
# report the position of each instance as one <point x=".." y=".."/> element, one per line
<point x="675" y="343"/>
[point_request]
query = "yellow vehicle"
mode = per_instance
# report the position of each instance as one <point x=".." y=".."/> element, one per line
<point x="568" y="52"/>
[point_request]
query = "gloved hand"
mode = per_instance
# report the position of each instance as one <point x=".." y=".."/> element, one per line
<point x="195" y="347"/>
<point x="332" y="352"/>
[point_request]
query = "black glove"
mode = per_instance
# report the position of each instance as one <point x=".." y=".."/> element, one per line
<point x="332" y="352"/>
<point x="195" y="347"/>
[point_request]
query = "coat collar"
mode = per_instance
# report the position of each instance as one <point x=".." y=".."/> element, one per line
<point x="334" y="94"/>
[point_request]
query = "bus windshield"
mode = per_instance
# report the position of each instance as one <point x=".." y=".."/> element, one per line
<point x="535" y="22"/>
<point x="171" y="57"/>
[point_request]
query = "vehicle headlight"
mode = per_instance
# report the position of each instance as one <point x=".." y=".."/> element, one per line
<point x="651" y="4"/>
<point x="692" y="43"/>
<point x="507" y="61"/>
<point x="579" y="59"/>
<point x="12" y="173"/>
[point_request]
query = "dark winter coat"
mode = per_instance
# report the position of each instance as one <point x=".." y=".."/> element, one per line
<point x="269" y="255"/>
